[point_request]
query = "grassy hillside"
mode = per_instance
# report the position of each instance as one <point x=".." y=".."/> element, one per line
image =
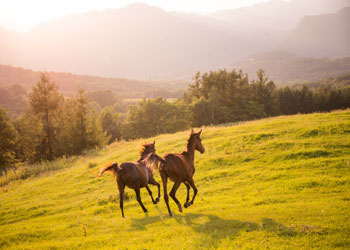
<point x="279" y="183"/>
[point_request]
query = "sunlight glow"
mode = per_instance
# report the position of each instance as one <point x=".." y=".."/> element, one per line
<point x="23" y="15"/>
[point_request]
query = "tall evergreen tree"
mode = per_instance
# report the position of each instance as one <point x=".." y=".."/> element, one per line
<point x="45" y="102"/>
<point x="81" y="116"/>
<point x="264" y="94"/>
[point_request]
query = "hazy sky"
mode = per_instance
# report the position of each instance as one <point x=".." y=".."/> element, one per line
<point x="22" y="15"/>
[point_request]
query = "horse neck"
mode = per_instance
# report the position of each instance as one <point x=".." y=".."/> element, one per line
<point x="190" y="152"/>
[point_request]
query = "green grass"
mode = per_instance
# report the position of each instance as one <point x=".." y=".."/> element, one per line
<point x="278" y="183"/>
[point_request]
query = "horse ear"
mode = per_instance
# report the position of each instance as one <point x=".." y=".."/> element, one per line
<point x="154" y="143"/>
<point x="200" y="131"/>
<point x="192" y="132"/>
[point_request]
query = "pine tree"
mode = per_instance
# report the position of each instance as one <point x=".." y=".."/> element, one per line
<point x="45" y="102"/>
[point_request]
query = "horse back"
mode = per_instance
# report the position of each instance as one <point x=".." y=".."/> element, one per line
<point x="133" y="174"/>
<point x="178" y="167"/>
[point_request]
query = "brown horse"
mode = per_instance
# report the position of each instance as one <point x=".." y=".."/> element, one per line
<point x="180" y="169"/>
<point x="135" y="175"/>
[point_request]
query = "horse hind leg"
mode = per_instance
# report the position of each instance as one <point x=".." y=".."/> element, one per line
<point x="173" y="193"/>
<point x="138" y="198"/>
<point x="121" y="188"/>
<point x="166" y="197"/>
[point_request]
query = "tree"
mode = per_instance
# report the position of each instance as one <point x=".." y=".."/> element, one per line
<point x="155" y="116"/>
<point x="8" y="137"/>
<point x="81" y="117"/>
<point x="264" y="94"/>
<point x="45" y="102"/>
<point x="95" y="135"/>
<point x="111" y="124"/>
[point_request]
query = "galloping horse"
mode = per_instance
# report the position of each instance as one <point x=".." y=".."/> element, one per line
<point x="180" y="169"/>
<point x="135" y="175"/>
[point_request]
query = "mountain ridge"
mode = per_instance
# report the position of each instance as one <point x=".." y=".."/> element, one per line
<point x="145" y="42"/>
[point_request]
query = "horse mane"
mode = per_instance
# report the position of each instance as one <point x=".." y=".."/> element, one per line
<point x="145" y="150"/>
<point x="189" y="144"/>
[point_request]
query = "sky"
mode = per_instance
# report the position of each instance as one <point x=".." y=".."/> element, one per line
<point x="23" y="15"/>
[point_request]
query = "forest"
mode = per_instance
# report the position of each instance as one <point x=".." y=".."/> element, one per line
<point x="43" y="125"/>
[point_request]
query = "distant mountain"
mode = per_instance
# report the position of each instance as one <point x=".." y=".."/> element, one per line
<point x="144" y="42"/>
<point x="279" y="14"/>
<point x="283" y="67"/>
<point x="321" y="35"/>
<point x="137" y="41"/>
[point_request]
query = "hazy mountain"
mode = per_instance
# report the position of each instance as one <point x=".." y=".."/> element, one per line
<point x="137" y="41"/>
<point x="279" y="14"/>
<point x="145" y="42"/>
<point x="321" y="35"/>
<point x="284" y="67"/>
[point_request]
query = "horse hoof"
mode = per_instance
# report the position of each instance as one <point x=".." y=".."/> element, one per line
<point x="180" y="208"/>
<point x="157" y="200"/>
<point x="187" y="204"/>
<point x="146" y="211"/>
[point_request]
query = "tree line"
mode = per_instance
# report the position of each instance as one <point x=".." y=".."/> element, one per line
<point x="53" y="125"/>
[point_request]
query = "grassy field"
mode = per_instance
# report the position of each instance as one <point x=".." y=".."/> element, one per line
<point x="278" y="183"/>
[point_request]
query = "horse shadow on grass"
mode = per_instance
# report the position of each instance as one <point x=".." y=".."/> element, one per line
<point x="213" y="228"/>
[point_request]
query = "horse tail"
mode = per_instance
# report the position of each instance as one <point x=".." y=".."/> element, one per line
<point x="154" y="160"/>
<point x="111" y="168"/>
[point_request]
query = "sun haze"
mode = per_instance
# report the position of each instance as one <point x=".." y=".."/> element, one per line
<point x="22" y="15"/>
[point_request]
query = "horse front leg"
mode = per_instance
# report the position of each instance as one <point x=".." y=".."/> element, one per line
<point x="150" y="193"/>
<point x="153" y="182"/>
<point x="187" y="204"/>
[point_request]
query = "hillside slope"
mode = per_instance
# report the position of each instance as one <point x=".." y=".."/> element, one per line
<point x="278" y="183"/>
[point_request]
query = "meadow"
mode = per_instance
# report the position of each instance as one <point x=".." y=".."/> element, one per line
<point x="277" y="183"/>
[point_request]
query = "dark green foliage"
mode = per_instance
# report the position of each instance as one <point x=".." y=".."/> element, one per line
<point x="30" y="145"/>
<point x="53" y="126"/>
<point x="314" y="97"/>
<point x="222" y="96"/>
<point x="96" y="137"/>
<point x="264" y="93"/>
<point x="8" y="137"/>
<point x="111" y="124"/>
<point x="154" y="117"/>
<point x="45" y="103"/>
<point x="74" y="123"/>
